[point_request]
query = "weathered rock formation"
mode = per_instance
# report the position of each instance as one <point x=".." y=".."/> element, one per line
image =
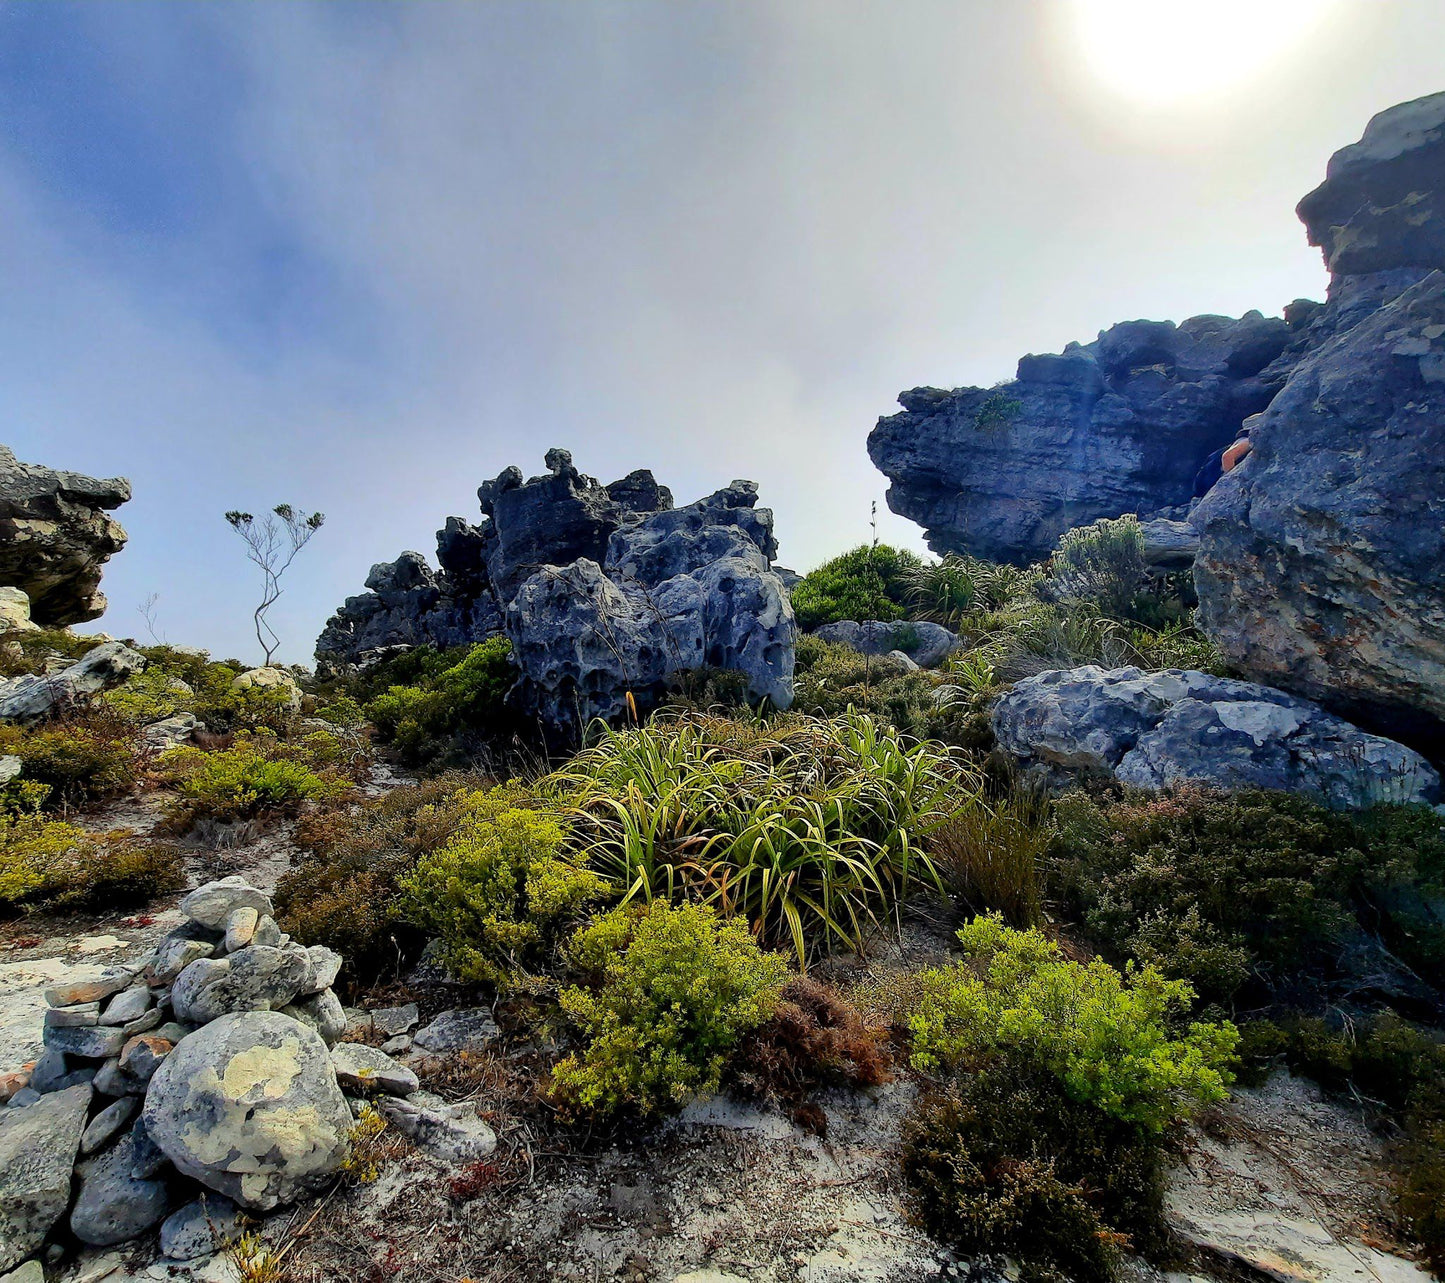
<point x="1321" y="566"/>
<point x="55" y="537"/>
<point x="31" y="697"/>
<point x="1181" y="727"/>
<point x="925" y="644"/>
<point x="1118" y="425"/>
<point x="605" y="592"/>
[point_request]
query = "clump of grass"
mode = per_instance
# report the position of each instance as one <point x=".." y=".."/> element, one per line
<point x="989" y="857"/>
<point x="811" y="830"/>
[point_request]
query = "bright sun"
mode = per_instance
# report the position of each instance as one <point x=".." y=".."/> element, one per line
<point x="1162" y="52"/>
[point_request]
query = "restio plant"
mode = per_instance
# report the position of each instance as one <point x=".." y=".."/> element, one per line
<point x="870" y="582"/>
<point x="810" y="830"/>
<point x="668" y="993"/>
<point x="1111" y="1038"/>
<point x="501" y="890"/>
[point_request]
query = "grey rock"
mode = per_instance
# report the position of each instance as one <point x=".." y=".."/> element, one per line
<point x="130" y="1004"/>
<point x="142" y="1024"/>
<point x="110" y="1081"/>
<point x="1177" y="726"/>
<point x="325" y="967"/>
<point x="213" y="903"/>
<point x="1169" y="545"/>
<point x="452" y="1133"/>
<point x="171" y="732"/>
<point x="1380" y="205"/>
<point x="83" y="992"/>
<point x="177" y="951"/>
<point x="81" y="1016"/>
<point x="322" y="1012"/>
<point x="200" y="1228"/>
<point x="902" y="661"/>
<point x="926" y="644"/>
<point x="253" y="979"/>
<point x="249" y="1106"/>
<point x="114" y="1206"/>
<point x="108" y="1122"/>
<point x="30" y="1272"/>
<point x="388" y="1021"/>
<point x="97" y="1043"/>
<point x="397" y="1045"/>
<point x="55" y="538"/>
<point x="10" y="767"/>
<point x="50" y="1072"/>
<point x="268" y="933"/>
<point x="362" y="1068"/>
<point x="462" y="1029"/>
<point x="25" y="1096"/>
<point x="142" y="1056"/>
<point x="240" y="928"/>
<point x="31" y="697"/>
<point x="1321" y="567"/>
<point x="38" y="1144"/>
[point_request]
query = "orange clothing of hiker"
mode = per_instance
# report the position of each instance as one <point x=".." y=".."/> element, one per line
<point x="1234" y="454"/>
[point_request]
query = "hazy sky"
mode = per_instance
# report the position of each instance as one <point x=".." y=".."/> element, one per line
<point x="361" y="257"/>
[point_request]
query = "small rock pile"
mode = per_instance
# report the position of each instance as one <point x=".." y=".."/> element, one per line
<point x="214" y="1060"/>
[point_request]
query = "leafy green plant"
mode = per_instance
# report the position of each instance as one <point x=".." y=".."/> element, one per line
<point x="502" y="888"/>
<point x="149" y="696"/>
<point x="671" y="991"/>
<point x="1107" y="1035"/>
<point x="870" y="582"/>
<point x="997" y="410"/>
<point x="24" y="652"/>
<point x="810" y="829"/>
<point x="87" y="756"/>
<point x="1003" y="1162"/>
<point x="1104" y="564"/>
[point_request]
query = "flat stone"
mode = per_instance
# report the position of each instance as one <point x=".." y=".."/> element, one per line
<point x="38" y="1144"/>
<point x="81" y="1016"/>
<point x="240" y="928"/>
<point x="362" y="1068"/>
<point x="30" y="1272"/>
<point x="213" y="903"/>
<point x="200" y="1228"/>
<point x="452" y="1133"/>
<point x="108" y="1122"/>
<point x="388" y="1021"/>
<point x="142" y="1024"/>
<point x="97" y="1043"/>
<point x="130" y="1004"/>
<point x="462" y="1029"/>
<point x="325" y="966"/>
<point x="25" y="1096"/>
<point x="87" y="991"/>
<point x="397" y="1046"/>
<point x="113" y="1205"/>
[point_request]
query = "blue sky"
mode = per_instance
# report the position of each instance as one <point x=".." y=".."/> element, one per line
<point x="361" y="256"/>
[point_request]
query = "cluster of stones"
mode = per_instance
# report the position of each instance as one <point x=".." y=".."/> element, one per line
<point x="214" y="1063"/>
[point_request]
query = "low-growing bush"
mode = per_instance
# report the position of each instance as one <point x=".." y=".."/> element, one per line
<point x="869" y="582"/>
<point x="1003" y="1162"/>
<point x="1228" y="889"/>
<point x="345" y="893"/>
<point x="259" y="775"/>
<point x="811" y="830"/>
<point x="33" y="652"/>
<point x="1111" y="1037"/>
<point x="957" y="588"/>
<point x="451" y="711"/>
<point x="88" y="755"/>
<point x="501" y="890"/>
<point x="55" y="865"/>
<point x="670" y="991"/>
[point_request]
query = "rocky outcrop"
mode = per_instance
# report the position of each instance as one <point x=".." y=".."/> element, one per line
<point x="1114" y="426"/>
<point x="1321" y="566"/>
<point x="680" y="590"/>
<point x="1152" y="730"/>
<point x="55" y="537"/>
<point x="31" y="697"/>
<point x="607" y="593"/>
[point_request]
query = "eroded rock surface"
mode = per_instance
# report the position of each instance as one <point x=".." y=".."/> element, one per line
<point x="38" y="1144"/>
<point x="31" y="697"/>
<point x="55" y="537"/>
<point x="1179" y="726"/>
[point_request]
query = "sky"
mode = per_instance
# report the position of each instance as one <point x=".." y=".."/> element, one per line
<point x="361" y="257"/>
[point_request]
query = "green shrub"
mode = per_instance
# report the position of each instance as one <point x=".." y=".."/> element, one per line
<point x="1221" y="889"/>
<point x="1107" y="1035"/>
<point x="51" y="864"/>
<point x="90" y="755"/>
<point x="997" y="410"/>
<point x="345" y="893"/>
<point x="501" y="890"/>
<point x="214" y="699"/>
<point x="259" y="775"/>
<point x="866" y="583"/>
<point x="1103" y="564"/>
<point x="1003" y="1162"/>
<point x="451" y="708"/>
<point x="672" y="990"/>
<point x="812" y="830"/>
<point x="29" y="652"/>
<point x="149" y="696"/>
<point x="952" y="590"/>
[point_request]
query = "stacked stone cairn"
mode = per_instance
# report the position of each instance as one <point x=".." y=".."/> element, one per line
<point x="200" y="1083"/>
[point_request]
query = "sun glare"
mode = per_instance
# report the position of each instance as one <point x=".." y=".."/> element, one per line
<point x="1164" y="52"/>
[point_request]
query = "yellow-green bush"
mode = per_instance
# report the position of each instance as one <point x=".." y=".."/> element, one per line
<point x="87" y="756"/>
<point x="671" y="991"/>
<point x="149" y="696"/>
<point x="1109" y="1036"/>
<point x="259" y="774"/>
<point x="502" y="888"/>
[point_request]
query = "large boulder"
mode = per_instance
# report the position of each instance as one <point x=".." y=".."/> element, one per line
<point x="926" y="644"/>
<point x="31" y="697"/>
<point x="680" y="590"/>
<point x="55" y="537"/>
<point x="38" y="1145"/>
<point x="249" y="1106"/>
<point x="1380" y="205"/>
<point x="1158" y="729"/>
<point x="1114" y="426"/>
